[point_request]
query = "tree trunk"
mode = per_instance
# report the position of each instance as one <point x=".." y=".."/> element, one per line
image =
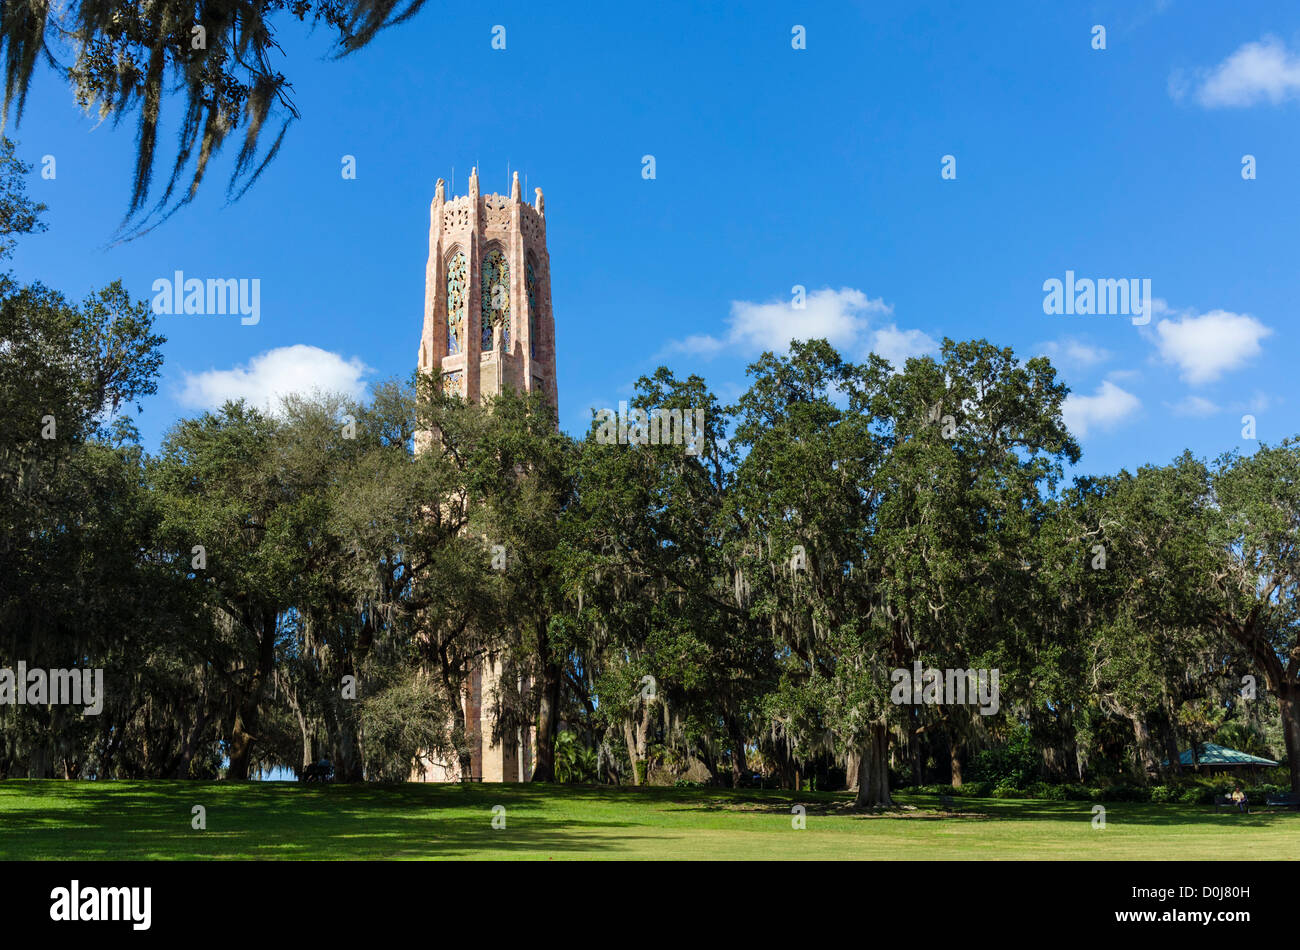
<point x="631" y="750"/>
<point x="1170" y="734"/>
<point x="348" y="766"/>
<point x="1145" y="751"/>
<point x="459" y="739"/>
<point x="308" y="756"/>
<point x="241" y="742"/>
<point x="291" y="695"/>
<point x="179" y="767"/>
<point x="248" y="711"/>
<point x="548" y="711"/>
<point x="916" y="748"/>
<point x="955" y="748"/>
<point x="873" y="767"/>
<point x="739" y="764"/>
<point x="1289" y="705"/>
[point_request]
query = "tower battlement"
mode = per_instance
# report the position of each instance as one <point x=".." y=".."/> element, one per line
<point x="487" y="294"/>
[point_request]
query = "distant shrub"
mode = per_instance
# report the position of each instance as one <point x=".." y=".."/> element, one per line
<point x="1007" y="789"/>
<point x="1045" y="790"/>
<point x="1077" y="793"/>
<point x="1165" y="794"/>
<point x="974" y="790"/>
<point x="939" y="789"/>
<point x="1019" y="761"/>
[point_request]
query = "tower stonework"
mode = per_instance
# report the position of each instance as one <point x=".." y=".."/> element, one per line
<point x="487" y="326"/>
<point x="487" y="294"/>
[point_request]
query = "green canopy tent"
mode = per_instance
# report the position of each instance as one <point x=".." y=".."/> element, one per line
<point x="1217" y="758"/>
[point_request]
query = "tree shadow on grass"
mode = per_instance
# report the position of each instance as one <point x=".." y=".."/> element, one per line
<point x="153" y="820"/>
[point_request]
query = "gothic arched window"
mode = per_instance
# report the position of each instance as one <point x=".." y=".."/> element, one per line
<point x="530" y="282"/>
<point x="457" y="285"/>
<point x="495" y="298"/>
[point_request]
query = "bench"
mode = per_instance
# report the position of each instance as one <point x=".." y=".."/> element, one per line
<point x="1223" y="801"/>
<point x="947" y="802"/>
<point x="318" y="772"/>
<point x="1283" y="800"/>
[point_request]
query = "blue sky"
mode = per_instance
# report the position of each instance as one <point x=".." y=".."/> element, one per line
<point x="774" y="167"/>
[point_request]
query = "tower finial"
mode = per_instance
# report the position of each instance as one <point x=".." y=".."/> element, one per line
<point x="538" y="204"/>
<point x="473" y="181"/>
<point x="514" y="188"/>
<point x="440" y="190"/>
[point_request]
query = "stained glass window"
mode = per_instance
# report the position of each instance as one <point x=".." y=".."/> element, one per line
<point x="530" y="281"/>
<point x="495" y="296"/>
<point x="457" y="284"/>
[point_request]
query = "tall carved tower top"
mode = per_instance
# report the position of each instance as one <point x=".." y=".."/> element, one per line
<point x="487" y="294"/>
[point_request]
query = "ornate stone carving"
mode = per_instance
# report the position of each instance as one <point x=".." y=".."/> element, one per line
<point x="457" y="286"/>
<point x="455" y="214"/>
<point x="495" y="297"/>
<point x="497" y="211"/>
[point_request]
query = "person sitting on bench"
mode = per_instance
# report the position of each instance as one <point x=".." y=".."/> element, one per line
<point x="1239" y="798"/>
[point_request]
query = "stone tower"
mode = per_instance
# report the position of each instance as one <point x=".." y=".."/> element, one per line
<point x="488" y="325"/>
<point x="487" y="294"/>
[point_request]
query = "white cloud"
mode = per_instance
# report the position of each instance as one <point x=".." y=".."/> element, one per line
<point x="1074" y="353"/>
<point x="701" y="344"/>
<point x="1261" y="401"/>
<point x="274" y="374"/>
<point x="897" y="345"/>
<point x="1194" y="406"/>
<point x="1205" y="347"/>
<point x="1256" y="72"/>
<point x="842" y="317"/>
<point x="1105" y="409"/>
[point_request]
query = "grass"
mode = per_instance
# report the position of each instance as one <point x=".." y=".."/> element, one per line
<point x="42" y="820"/>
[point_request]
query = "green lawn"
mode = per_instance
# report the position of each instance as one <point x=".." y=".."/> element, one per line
<point x="146" y="820"/>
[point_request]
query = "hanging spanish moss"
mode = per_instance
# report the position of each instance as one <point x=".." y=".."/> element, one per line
<point x="216" y="57"/>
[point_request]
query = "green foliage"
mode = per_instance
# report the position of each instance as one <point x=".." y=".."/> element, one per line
<point x="1045" y="790"/>
<point x="574" y="762"/>
<point x="81" y="585"/>
<point x="1017" y="763"/>
<point x="19" y="215"/>
<point x="1165" y="794"/>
